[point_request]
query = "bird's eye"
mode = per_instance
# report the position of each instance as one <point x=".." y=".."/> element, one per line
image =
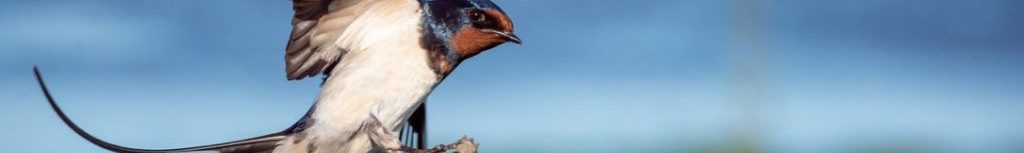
<point x="477" y="16"/>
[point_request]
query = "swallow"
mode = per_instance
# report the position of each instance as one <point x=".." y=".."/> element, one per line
<point x="380" y="59"/>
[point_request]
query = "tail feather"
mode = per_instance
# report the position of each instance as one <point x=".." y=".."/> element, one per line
<point x="415" y="133"/>
<point x="265" y="143"/>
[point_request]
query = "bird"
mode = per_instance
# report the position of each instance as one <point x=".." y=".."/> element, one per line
<point x="379" y="60"/>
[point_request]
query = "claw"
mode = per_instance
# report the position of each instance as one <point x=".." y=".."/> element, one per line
<point x="381" y="136"/>
<point x="386" y="140"/>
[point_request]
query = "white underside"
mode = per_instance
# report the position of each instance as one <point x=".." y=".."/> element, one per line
<point x="385" y="73"/>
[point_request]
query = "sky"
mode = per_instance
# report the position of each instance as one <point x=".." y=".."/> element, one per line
<point x="591" y="76"/>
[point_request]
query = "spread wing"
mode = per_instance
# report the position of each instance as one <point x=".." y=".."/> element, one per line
<point x="415" y="133"/>
<point x="317" y="25"/>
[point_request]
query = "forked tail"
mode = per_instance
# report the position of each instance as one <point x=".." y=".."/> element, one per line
<point x="265" y="143"/>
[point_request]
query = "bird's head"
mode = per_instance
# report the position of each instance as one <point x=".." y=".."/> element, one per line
<point x="483" y="27"/>
<point x="469" y="26"/>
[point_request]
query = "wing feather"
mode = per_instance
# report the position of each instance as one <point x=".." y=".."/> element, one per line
<point x="316" y="26"/>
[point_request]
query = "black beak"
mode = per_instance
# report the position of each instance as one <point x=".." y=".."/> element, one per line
<point x="509" y="36"/>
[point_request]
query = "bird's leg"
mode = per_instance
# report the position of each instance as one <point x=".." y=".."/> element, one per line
<point x="388" y="142"/>
<point x="381" y="136"/>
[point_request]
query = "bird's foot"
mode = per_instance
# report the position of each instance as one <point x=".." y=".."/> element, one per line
<point x="464" y="145"/>
<point x="380" y="136"/>
<point x="388" y="141"/>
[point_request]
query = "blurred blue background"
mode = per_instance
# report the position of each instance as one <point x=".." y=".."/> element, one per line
<point x="592" y="76"/>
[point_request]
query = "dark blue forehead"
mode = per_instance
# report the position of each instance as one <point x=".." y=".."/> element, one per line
<point x="442" y="19"/>
<point x="480" y="4"/>
<point x="450" y="14"/>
